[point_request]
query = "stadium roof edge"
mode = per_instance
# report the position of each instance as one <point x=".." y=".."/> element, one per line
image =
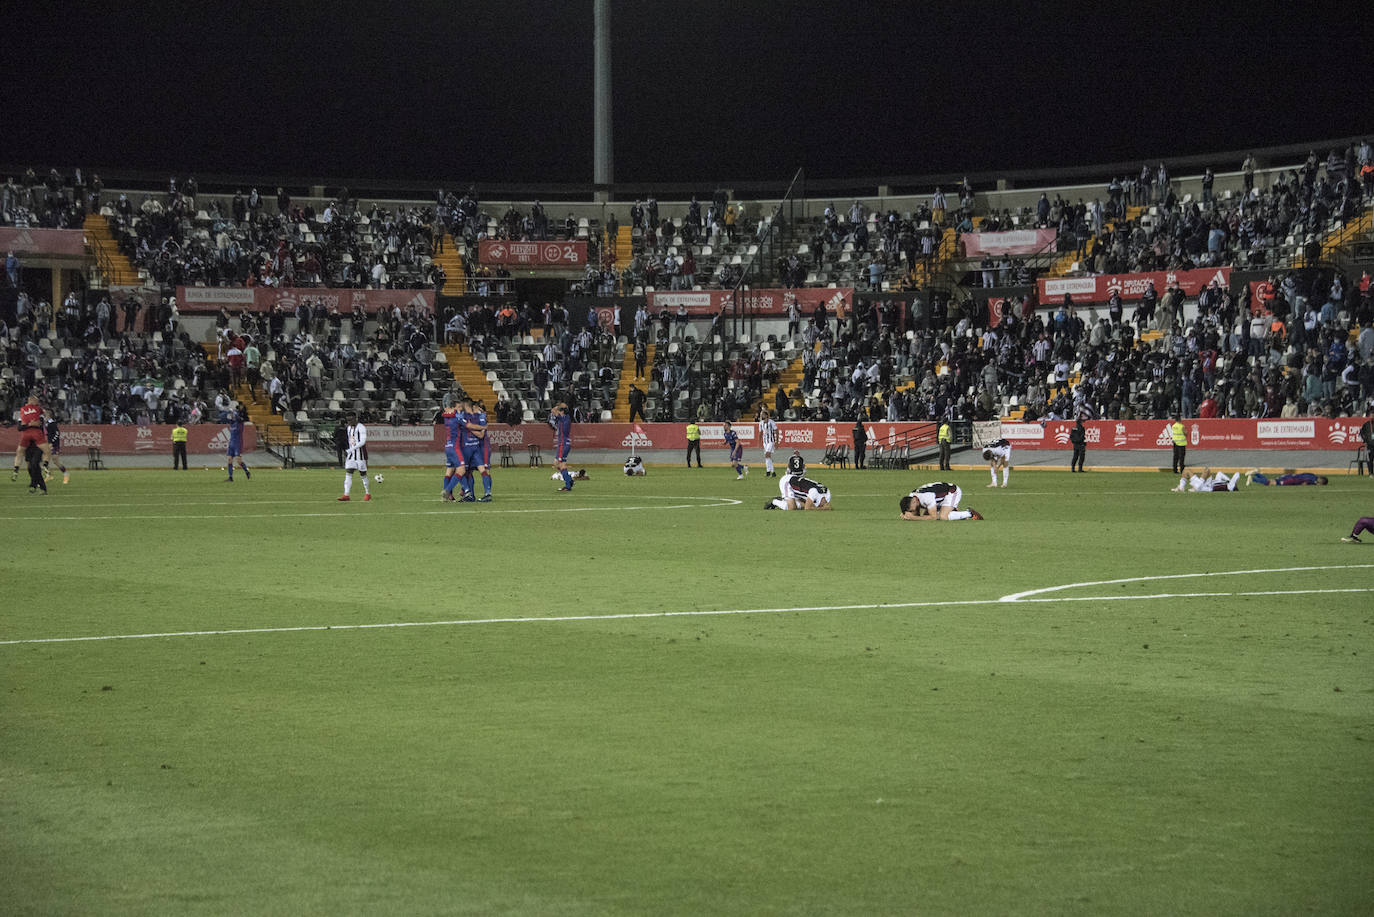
<point x="421" y="189"/>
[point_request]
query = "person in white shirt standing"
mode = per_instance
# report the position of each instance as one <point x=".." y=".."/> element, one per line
<point x="768" y="433"/>
<point x="355" y="459"/>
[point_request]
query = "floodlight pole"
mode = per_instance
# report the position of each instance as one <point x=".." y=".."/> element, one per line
<point x="601" y="93"/>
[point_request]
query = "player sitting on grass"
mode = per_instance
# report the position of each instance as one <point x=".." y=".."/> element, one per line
<point x="1363" y="524"/>
<point x="1207" y="482"/>
<point x="1290" y="479"/>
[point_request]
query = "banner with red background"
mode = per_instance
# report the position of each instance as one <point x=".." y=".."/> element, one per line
<point x="532" y="254"/>
<point x="193" y="300"/>
<point x="1131" y="286"/>
<point x="129" y="439"/>
<point x="1315" y="433"/>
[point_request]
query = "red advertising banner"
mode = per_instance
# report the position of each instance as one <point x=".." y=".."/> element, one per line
<point x="998" y="306"/>
<point x="192" y="300"/>
<point x="532" y="254"/>
<point x="672" y="436"/>
<point x="24" y="241"/>
<point x="1015" y="242"/>
<point x="1130" y="286"/>
<point x="757" y="302"/>
<point x="207" y="438"/>
<point x="1315" y="433"/>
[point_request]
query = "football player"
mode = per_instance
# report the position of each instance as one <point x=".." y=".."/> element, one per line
<point x="998" y="456"/>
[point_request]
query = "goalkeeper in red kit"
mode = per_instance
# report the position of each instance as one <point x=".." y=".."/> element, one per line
<point x="30" y="433"/>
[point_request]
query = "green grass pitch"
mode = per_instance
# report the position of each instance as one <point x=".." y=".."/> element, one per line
<point x="876" y="735"/>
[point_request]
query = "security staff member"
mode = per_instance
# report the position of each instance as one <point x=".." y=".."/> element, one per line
<point x="693" y="443"/>
<point x="860" y="443"/>
<point x="1180" y="443"/>
<point x="1079" y="437"/>
<point x="179" y="435"/>
<point x="946" y="438"/>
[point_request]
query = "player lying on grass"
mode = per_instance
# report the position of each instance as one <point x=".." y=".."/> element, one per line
<point x="578" y="475"/>
<point x="1290" y="479"/>
<point x="1207" y="482"/>
<point x="1363" y="524"/>
<point x="937" y="501"/>
<point x="797" y="490"/>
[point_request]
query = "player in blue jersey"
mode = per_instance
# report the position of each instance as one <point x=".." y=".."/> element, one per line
<point x="561" y="422"/>
<point x="476" y="451"/>
<point x="235" y="451"/>
<point x="453" y="422"/>
<point x="736" y="452"/>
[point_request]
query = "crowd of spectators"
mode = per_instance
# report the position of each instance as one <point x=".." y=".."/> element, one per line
<point x="50" y="201"/>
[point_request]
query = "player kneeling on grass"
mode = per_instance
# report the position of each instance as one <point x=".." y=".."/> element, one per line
<point x="797" y="490"/>
<point x="1291" y="479"/>
<point x="937" y="501"/>
<point x="1207" y="482"/>
<point x="998" y="456"/>
<point x="634" y="466"/>
<point x="355" y="459"/>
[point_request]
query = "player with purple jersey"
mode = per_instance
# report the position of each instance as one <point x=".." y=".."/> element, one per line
<point x="453" y="423"/>
<point x="561" y="421"/>
<point x="736" y="451"/>
<point x="476" y="452"/>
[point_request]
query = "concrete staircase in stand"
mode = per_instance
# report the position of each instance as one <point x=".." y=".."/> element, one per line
<point x="621" y="412"/>
<point x="789" y="379"/>
<point x="123" y="273"/>
<point x="470" y="376"/>
<point x="451" y="260"/>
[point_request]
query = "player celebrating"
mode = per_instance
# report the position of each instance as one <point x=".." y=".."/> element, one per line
<point x="998" y="455"/>
<point x="30" y="433"/>
<point x="453" y="422"/>
<point x="476" y="451"/>
<point x="355" y="459"/>
<point x="768" y="432"/>
<point x="561" y="422"/>
<point x="54" y="434"/>
<point x="234" y="453"/>
<point x="736" y="452"/>
<point x="937" y="501"/>
<point x="1207" y="482"/>
<point x="799" y="491"/>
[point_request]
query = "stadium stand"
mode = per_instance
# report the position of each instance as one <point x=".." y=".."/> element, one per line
<point x="930" y="354"/>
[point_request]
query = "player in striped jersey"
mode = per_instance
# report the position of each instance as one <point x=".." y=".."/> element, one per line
<point x="937" y="501"/>
<point x="768" y="433"/>
<point x="355" y="459"/>
<point x="797" y="490"/>
<point x="998" y="455"/>
<point x="1207" y="483"/>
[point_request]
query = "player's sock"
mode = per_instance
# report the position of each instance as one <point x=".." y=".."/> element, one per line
<point x="1006" y="473"/>
<point x="960" y="514"/>
<point x="768" y="464"/>
<point x="246" y="473"/>
<point x="486" y="484"/>
<point x="449" y="480"/>
<point x="567" y="478"/>
<point x="994" y="476"/>
<point x="468" y="484"/>
<point x="363" y="478"/>
<point x="231" y="470"/>
<point x="348" y="482"/>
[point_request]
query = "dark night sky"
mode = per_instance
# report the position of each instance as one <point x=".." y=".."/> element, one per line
<point x="703" y="91"/>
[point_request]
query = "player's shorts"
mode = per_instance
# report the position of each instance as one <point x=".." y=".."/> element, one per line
<point x="235" y="449"/>
<point x="474" y="455"/>
<point x="451" y="459"/>
<point x="769" y="446"/>
<point x="818" y="497"/>
<point x="561" y="451"/>
<point x="32" y="438"/>
<point x="358" y="464"/>
<point x="1001" y="452"/>
<point x="737" y="454"/>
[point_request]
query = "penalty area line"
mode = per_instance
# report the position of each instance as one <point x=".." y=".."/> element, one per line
<point x="643" y="615"/>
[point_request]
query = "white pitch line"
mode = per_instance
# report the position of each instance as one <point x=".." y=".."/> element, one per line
<point x="1021" y="596"/>
<point x="372" y="514"/>
<point x="648" y="614"/>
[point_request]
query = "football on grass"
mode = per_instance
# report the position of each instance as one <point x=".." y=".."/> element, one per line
<point x="378" y="478"/>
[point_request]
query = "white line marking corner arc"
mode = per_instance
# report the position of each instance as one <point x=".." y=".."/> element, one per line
<point x="1030" y="593"/>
